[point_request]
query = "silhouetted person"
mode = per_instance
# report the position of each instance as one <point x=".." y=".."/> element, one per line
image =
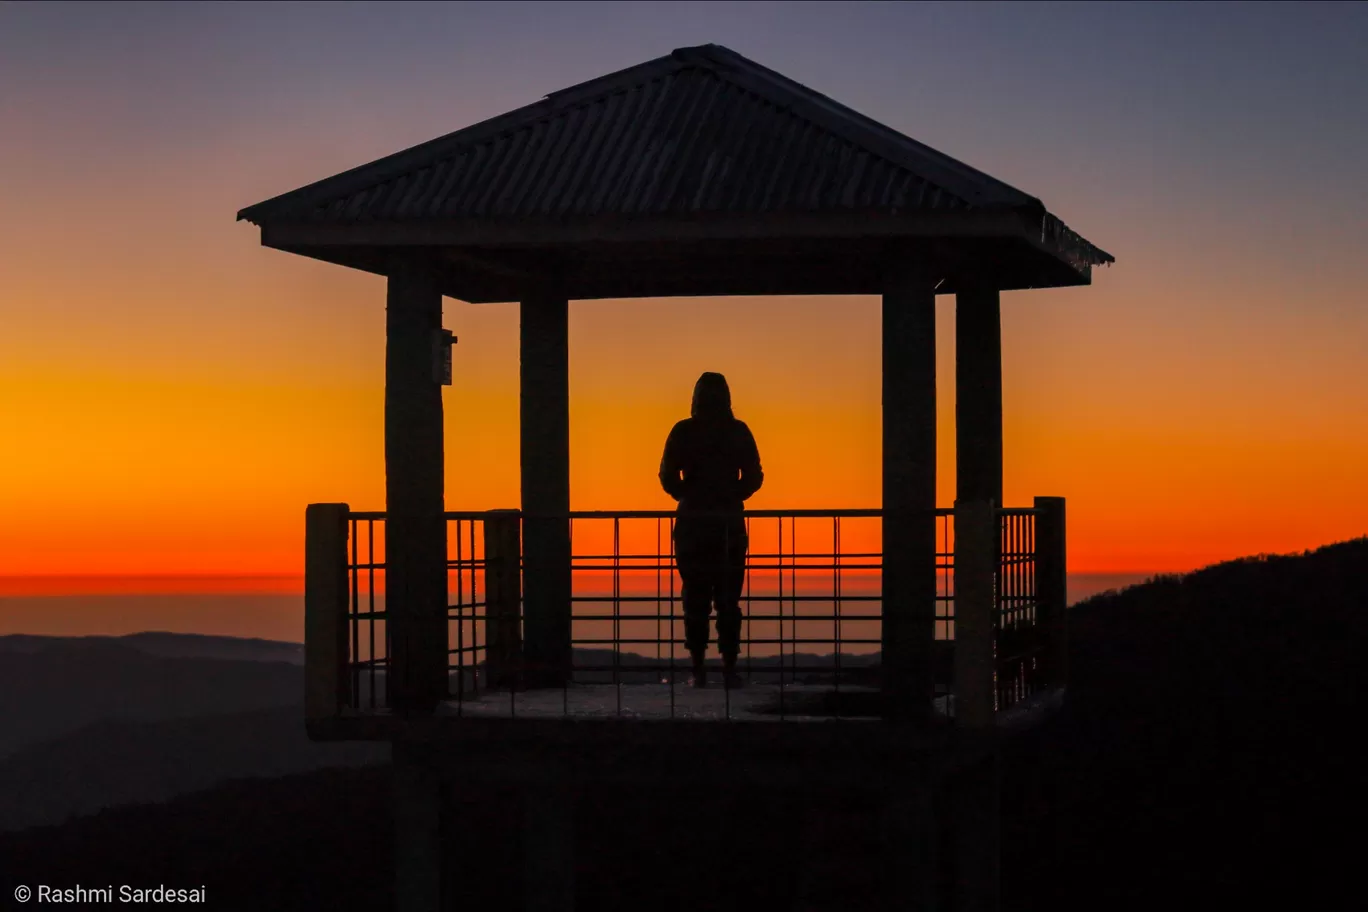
<point x="711" y="465"/>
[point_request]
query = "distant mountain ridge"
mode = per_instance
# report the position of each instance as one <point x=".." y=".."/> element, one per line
<point x="169" y="645"/>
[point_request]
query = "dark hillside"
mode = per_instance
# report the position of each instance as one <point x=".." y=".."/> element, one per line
<point x="1206" y="750"/>
<point x="106" y="764"/>
<point x="69" y="683"/>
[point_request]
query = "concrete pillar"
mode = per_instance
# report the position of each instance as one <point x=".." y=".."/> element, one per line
<point x="545" y="418"/>
<point x="910" y="865"/>
<point x="503" y="597"/>
<point x="548" y="847"/>
<point x="415" y="529"/>
<point x="1052" y="587"/>
<point x="978" y="395"/>
<point x="976" y="544"/>
<point x="418" y="834"/>
<point x="327" y="685"/>
<point x="975" y="808"/>
<point x="909" y="492"/>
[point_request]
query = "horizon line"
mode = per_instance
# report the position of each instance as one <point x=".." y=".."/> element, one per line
<point x="116" y="584"/>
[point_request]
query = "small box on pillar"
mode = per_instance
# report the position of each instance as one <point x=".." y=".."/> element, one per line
<point x="442" y="341"/>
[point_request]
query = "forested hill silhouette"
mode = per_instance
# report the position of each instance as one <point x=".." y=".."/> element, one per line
<point x="1245" y="635"/>
<point x="124" y="761"/>
<point x="1206" y="749"/>
<point x="1204" y="757"/>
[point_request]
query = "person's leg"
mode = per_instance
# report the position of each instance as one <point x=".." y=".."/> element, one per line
<point x="696" y="595"/>
<point x="731" y="582"/>
<point x="696" y="598"/>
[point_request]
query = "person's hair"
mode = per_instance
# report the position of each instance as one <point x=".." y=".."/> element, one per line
<point x="711" y="397"/>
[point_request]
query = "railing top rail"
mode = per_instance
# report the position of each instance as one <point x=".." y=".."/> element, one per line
<point x="665" y="514"/>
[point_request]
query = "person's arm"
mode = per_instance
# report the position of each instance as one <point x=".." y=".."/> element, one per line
<point x="751" y="475"/>
<point x="671" y="478"/>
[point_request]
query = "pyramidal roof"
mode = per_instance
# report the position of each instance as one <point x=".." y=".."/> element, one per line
<point x="702" y="130"/>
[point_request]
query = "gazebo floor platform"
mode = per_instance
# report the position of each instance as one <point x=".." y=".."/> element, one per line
<point x="680" y="701"/>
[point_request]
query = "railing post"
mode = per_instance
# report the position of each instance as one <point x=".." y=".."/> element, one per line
<point x="327" y="689"/>
<point x="503" y="596"/>
<point x="1052" y="587"/>
<point x="976" y="540"/>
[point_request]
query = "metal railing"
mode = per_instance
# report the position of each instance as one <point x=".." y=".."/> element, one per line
<point x="1019" y="641"/>
<point x="811" y="618"/>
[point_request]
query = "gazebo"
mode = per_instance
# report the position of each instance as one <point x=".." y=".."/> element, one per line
<point x="697" y="173"/>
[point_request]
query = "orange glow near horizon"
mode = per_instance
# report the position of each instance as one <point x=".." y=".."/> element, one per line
<point x="135" y="474"/>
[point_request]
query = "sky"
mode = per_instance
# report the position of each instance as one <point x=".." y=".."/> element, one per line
<point x="172" y="394"/>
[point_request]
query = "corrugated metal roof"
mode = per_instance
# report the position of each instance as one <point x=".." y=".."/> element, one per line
<point x="703" y="130"/>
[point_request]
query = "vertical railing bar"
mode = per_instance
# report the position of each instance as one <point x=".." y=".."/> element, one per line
<point x="1018" y="617"/>
<point x="672" y="618"/>
<point x="657" y="601"/>
<point x="460" y="621"/>
<point x="388" y="639"/>
<point x="479" y="630"/>
<point x="617" y="611"/>
<point x="475" y="596"/>
<point x="1009" y="621"/>
<point x="1010" y="573"/>
<point x="355" y="619"/>
<point x="370" y="620"/>
<point x="726" y="685"/>
<point x="467" y="588"/>
<point x="947" y="582"/>
<point x="356" y="623"/>
<point x="474" y="622"/>
<point x="1023" y="610"/>
<point x="1004" y="544"/>
<point x="793" y="599"/>
<point x="471" y="619"/>
<point x="1018" y="612"/>
<point x="1035" y="598"/>
<point x="836" y="603"/>
<point x="565" y="678"/>
<point x="783" y="708"/>
<point x="997" y="656"/>
<point x="1009" y="570"/>
<point x="750" y="664"/>
<point x="947" y="529"/>
<point x="1028" y="606"/>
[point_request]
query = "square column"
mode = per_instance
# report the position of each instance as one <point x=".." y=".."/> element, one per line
<point x="415" y="527"/>
<point x="978" y="395"/>
<point x="909" y="493"/>
<point x="544" y="403"/>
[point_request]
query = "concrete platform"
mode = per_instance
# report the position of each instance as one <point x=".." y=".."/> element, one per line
<point x="680" y="701"/>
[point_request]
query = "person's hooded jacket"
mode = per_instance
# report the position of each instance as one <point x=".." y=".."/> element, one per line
<point x="711" y="461"/>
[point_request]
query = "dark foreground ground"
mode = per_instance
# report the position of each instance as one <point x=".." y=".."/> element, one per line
<point x="1204" y="759"/>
